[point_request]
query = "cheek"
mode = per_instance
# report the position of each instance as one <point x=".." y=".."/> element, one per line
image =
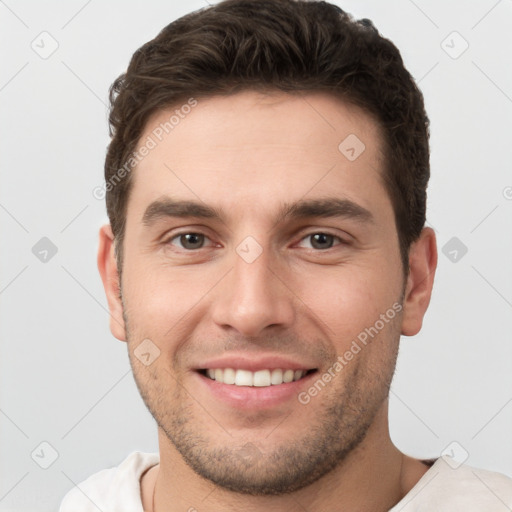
<point x="348" y="300"/>
<point x="161" y="299"/>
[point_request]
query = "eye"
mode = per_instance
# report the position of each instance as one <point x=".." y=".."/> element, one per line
<point x="321" y="241"/>
<point x="189" y="241"/>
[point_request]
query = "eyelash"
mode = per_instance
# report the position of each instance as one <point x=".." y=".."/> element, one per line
<point x="340" y="240"/>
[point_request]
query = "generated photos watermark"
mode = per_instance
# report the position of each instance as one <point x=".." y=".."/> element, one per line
<point x="144" y="148"/>
<point x="363" y="339"/>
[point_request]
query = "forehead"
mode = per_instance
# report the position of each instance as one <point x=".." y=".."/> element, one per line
<point x="237" y="152"/>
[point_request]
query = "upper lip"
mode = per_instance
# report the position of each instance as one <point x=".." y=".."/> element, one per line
<point x="255" y="363"/>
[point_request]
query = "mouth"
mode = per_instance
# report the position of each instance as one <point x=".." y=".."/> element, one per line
<point x="261" y="378"/>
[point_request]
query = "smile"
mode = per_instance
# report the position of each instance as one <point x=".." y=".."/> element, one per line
<point x="260" y="378"/>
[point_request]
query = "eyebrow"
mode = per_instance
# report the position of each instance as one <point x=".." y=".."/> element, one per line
<point x="302" y="209"/>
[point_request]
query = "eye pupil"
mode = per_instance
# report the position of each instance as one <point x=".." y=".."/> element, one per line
<point x="322" y="241"/>
<point x="196" y="240"/>
<point x="192" y="240"/>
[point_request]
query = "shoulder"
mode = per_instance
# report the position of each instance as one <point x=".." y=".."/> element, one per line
<point x="112" y="489"/>
<point x="447" y="486"/>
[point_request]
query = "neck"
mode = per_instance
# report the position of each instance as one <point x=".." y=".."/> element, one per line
<point x="374" y="476"/>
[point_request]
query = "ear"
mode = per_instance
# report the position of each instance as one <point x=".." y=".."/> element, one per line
<point x="422" y="268"/>
<point x="107" y="265"/>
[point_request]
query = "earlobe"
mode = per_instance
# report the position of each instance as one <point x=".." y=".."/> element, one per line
<point x="107" y="266"/>
<point x="418" y="290"/>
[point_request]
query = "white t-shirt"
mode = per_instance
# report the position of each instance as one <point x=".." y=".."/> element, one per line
<point x="445" y="487"/>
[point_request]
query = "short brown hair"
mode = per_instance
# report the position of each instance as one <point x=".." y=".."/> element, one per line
<point x="287" y="45"/>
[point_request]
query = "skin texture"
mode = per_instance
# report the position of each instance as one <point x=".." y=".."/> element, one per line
<point x="246" y="155"/>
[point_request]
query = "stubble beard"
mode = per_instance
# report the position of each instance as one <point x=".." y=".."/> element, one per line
<point x="340" y="426"/>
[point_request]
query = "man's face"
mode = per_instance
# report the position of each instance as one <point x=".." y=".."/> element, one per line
<point x="290" y="253"/>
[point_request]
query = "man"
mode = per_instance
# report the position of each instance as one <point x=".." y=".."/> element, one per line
<point x="266" y="190"/>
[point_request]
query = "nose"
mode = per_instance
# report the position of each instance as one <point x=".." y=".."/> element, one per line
<point x="253" y="297"/>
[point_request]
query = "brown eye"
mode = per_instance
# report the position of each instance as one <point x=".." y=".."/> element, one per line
<point x="322" y="240"/>
<point x="190" y="240"/>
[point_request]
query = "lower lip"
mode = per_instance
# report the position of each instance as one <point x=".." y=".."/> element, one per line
<point x="254" y="397"/>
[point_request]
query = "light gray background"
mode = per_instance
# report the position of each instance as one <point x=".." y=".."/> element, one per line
<point x="66" y="381"/>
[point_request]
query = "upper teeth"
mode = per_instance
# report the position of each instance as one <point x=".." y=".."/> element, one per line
<point x="260" y="378"/>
